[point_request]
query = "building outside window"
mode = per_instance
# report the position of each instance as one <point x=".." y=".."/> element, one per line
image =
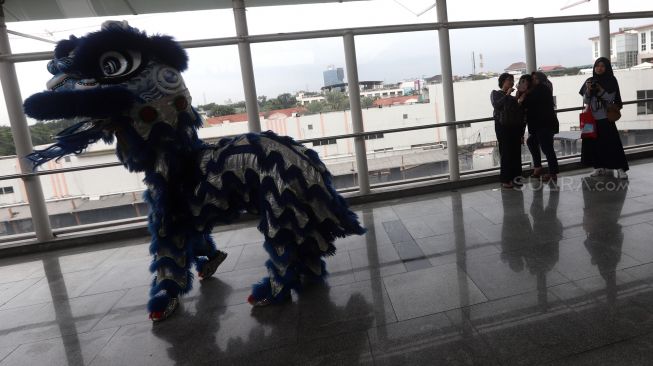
<point x="643" y="42"/>
<point x="333" y="75"/>
<point x="6" y="190"/>
<point x="645" y="108"/>
<point x="324" y="142"/>
<point x="374" y="136"/>
<point x="596" y="49"/>
<point x="627" y="50"/>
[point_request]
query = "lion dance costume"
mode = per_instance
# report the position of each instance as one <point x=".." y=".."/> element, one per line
<point x="119" y="83"/>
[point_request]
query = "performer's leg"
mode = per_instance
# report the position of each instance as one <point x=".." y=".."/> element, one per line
<point x="207" y="257"/>
<point x="282" y="276"/>
<point x="310" y="265"/>
<point x="171" y="266"/>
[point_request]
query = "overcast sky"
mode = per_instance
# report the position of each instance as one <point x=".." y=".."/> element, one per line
<point x="214" y="73"/>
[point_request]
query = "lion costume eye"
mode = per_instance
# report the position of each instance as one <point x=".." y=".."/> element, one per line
<point x="116" y="64"/>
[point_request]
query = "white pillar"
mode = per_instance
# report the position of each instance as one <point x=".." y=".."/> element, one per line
<point x="22" y="139"/>
<point x="604" y="29"/>
<point x="447" y="89"/>
<point x="246" y="67"/>
<point x="529" y="38"/>
<point x="356" y="113"/>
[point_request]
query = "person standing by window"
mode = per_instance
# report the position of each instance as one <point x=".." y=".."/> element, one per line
<point x="606" y="152"/>
<point x="542" y="125"/>
<point x="509" y="128"/>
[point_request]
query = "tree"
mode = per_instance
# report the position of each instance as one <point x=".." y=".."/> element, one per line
<point x="42" y="133"/>
<point x="367" y="102"/>
<point x="213" y="110"/>
<point x="336" y="101"/>
<point x="224" y="110"/>
<point x="6" y="142"/>
<point x="282" y="101"/>
<point x="286" y="100"/>
<point x="315" y="107"/>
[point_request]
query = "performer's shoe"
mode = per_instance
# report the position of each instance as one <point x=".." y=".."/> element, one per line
<point x="266" y="301"/>
<point x="258" y="303"/>
<point x="157" y="316"/>
<point x="209" y="268"/>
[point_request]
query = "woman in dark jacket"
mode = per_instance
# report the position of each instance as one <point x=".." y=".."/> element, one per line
<point x="542" y="125"/>
<point x="509" y="127"/>
<point x="605" y="152"/>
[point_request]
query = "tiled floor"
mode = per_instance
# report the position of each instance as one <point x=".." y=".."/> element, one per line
<point x="477" y="276"/>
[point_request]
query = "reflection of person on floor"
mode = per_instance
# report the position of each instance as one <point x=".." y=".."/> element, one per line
<point x="516" y="232"/>
<point x="604" y="234"/>
<point x="534" y="247"/>
<point x="547" y="231"/>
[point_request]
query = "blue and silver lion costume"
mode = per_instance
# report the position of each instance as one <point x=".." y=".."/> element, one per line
<point x="120" y="84"/>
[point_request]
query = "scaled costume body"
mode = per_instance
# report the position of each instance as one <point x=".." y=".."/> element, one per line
<point x="120" y="82"/>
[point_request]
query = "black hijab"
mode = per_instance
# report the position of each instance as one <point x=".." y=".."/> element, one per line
<point x="606" y="80"/>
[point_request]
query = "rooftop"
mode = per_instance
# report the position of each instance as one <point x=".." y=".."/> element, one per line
<point x="516" y="66"/>
<point x="406" y="99"/>
<point x="624" y="30"/>
<point x="242" y="117"/>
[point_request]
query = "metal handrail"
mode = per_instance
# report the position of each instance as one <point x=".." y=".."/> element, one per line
<point x="337" y="137"/>
<point x="358" y="31"/>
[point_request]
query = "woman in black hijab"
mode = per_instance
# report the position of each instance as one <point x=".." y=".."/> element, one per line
<point x="605" y="152"/>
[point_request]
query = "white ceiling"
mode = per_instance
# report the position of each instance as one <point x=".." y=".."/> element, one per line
<point x="21" y="10"/>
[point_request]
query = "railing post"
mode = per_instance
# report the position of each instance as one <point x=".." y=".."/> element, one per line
<point x="356" y="113"/>
<point x="604" y="29"/>
<point x="529" y="39"/>
<point x="447" y="89"/>
<point x="22" y="139"/>
<point x="246" y="67"/>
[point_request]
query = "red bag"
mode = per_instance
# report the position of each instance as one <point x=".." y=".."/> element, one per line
<point x="587" y="124"/>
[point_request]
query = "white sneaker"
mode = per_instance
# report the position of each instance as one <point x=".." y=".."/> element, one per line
<point x="621" y="174"/>
<point x="598" y="172"/>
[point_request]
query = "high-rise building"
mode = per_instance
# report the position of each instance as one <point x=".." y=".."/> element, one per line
<point x="333" y="76"/>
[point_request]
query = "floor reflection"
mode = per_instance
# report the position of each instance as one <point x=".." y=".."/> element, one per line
<point x="547" y="233"/>
<point x="603" y="203"/>
<point x="531" y="246"/>
<point x="62" y="310"/>
<point x="201" y="324"/>
<point x="499" y="288"/>
<point x="461" y="261"/>
<point x="203" y="331"/>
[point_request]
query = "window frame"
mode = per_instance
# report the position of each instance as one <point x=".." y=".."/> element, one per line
<point x="643" y="41"/>
<point x="645" y="108"/>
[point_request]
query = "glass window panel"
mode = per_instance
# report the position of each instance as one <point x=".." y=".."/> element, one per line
<point x="641" y="107"/>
